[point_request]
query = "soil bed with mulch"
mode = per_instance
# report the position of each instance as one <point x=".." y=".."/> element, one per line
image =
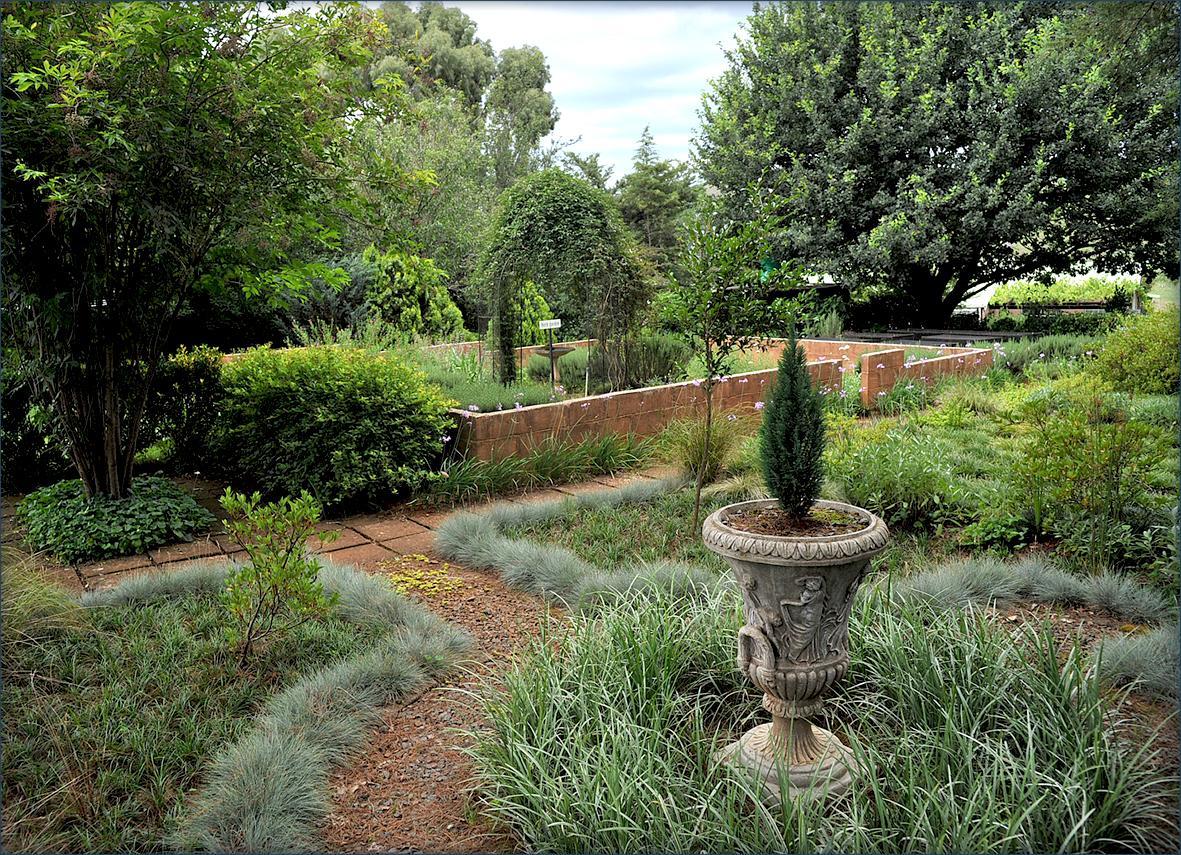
<point x="820" y="522"/>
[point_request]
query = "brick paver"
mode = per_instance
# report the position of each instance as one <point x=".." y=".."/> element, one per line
<point x="364" y="541"/>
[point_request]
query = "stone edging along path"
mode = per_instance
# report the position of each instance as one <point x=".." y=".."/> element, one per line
<point x="365" y="540"/>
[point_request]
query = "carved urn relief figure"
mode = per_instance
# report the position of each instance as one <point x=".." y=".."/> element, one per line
<point x="798" y="562"/>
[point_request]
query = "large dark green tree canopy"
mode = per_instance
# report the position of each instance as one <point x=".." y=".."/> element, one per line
<point x="150" y="149"/>
<point x="924" y="151"/>
<point x="566" y="236"/>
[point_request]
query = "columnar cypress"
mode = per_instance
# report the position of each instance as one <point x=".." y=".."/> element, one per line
<point x="792" y="435"/>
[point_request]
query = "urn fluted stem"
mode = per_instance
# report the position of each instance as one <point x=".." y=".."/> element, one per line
<point x="794" y="740"/>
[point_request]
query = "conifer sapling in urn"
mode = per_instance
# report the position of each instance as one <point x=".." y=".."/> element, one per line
<point x="798" y="561"/>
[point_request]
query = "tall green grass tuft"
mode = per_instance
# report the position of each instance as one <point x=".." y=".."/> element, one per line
<point x="33" y="605"/>
<point x="550" y="463"/>
<point x="686" y="446"/>
<point x="601" y="740"/>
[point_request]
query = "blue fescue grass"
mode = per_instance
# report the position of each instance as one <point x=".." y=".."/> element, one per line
<point x="477" y="540"/>
<point x="155" y="642"/>
<point x="1149" y="662"/>
<point x="986" y="580"/>
<point x="318" y="722"/>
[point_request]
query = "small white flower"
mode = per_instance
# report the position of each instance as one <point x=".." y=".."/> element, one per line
<point x="759" y="405"/>
<point x="880" y="365"/>
<point x="473" y="408"/>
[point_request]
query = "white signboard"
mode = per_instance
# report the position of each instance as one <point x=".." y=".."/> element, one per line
<point x="553" y="324"/>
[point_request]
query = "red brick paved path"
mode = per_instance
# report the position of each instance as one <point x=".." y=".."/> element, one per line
<point x="364" y="540"/>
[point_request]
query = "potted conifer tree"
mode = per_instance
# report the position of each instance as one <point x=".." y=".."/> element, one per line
<point x="798" y="562"/>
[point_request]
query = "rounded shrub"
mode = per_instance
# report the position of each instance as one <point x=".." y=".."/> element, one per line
<point x="1141" y="356"/>
<point x="345" y="424"/>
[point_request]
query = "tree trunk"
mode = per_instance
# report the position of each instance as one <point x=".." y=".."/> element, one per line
<point x="932" y="308"/>
<point x="705" y="451"/>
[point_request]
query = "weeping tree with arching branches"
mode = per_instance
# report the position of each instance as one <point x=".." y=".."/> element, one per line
<point x="567" y="236"/>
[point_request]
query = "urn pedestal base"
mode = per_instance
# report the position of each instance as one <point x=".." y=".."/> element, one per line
<point x="830" y="773"/>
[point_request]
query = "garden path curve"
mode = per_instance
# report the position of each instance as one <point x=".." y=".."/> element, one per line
<point x="411" y="788"/>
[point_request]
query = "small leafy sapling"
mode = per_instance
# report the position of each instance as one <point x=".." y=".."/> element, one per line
<point x="791" y="439"/>
<point x="277" y="588"/>
<point x="719" y="299"/>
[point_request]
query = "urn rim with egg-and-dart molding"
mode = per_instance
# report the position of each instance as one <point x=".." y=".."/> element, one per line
<point x="797" y="595"/>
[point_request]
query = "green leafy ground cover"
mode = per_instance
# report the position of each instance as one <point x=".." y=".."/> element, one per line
<point x="61" y="519"/>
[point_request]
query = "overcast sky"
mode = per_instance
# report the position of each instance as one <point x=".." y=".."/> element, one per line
<point x="618" y="66"/>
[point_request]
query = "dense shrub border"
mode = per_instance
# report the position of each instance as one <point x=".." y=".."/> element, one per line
<point x="266" y="792"/>
<point x="1142" y="355"/>
<point x="61" y="519"/>
<point x="348" y="425"/>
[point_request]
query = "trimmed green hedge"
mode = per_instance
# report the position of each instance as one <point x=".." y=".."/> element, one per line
<point x="1065" y="290"/>
<point x="347" y="425"/>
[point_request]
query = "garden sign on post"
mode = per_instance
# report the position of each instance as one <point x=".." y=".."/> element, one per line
<point x="549" y="326"/>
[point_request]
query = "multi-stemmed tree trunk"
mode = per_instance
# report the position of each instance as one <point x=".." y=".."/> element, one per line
<point x="149" y="148"/>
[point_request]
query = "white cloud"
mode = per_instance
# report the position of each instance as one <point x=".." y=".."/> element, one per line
<point x="617" y="67"/>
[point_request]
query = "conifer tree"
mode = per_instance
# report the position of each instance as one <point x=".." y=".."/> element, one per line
<point x="792" y="435"/>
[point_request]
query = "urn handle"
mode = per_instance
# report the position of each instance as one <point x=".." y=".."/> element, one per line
<point x="754" y="650"/>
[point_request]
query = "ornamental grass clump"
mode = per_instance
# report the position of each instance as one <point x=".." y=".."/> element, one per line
<point x="792" y="436"/>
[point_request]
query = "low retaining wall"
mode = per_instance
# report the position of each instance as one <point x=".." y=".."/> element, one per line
<point x="640" y="412"/>
<point x="882" y="369"/>
<point x="646" y="412"/>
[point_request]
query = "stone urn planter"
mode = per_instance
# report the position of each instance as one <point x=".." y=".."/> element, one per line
<point x="797" y="595"/>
